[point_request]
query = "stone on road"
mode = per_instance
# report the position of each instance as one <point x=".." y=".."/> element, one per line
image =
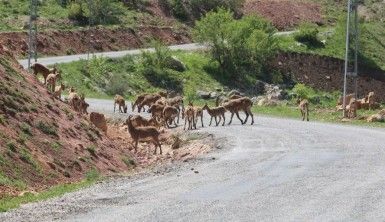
<point x="276" y="170"/>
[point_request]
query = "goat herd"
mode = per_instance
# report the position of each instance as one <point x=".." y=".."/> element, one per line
<point x="166" y="111"/>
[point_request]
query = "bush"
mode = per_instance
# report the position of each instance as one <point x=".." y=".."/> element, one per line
<point x="241" y="47"/>
<point x="96" y="12"/>
<point x="303" y="91"/>
<point x="117" y="85"/>
<point x="308" y="35"/>
<point x="99" y="68"/>
<point x="92" y="175"/>
<point x="195" y="9"/>
<point x="76" y="12"/>
<point x="47" y="128"/>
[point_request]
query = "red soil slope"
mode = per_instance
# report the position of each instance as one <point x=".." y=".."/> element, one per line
<point x="285" y="14"/>
<point x="42" y="141"/>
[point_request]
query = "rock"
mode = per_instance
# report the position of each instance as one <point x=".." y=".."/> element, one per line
<point x="233" y="92"/>
<point x="175" y="64"/>
<point x="203" y="95"/>
<point x="259" y="87"/>
<point x="214" y="95"/>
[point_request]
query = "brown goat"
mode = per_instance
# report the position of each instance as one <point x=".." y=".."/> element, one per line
<point x="156" y="111"/>
<point x="188" y="116"/>
<point x="99" y="121"/>
<point x="143" y="133"/>
<point x="303" y="106"/>
<point x="138" y="100"/>
<point x="74" y="100"/>
<point x="198" y="112"/>
<point x="241" y="104"/>
<point x="39" y="68"/>
<point x="51" y="81"/>
<point x="214" y="113"/>
<point x="147" y="96"/>
<point x="149" y="100"/>
<point x="352" y="109"/>
<point x="170" y="113"/>
<point x="347" y="99"/>
<point x="138" y="120"/>
<point x="118" y="99"/>
<point x="58" y="90"/>
<point x="83" y="106"/>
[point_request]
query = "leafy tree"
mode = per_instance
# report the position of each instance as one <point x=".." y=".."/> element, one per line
<point x="241" y="47"/>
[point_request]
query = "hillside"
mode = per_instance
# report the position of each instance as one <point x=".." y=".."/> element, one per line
<point x="42" y="141"/>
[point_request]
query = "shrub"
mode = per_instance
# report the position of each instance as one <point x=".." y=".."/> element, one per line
<point x="76" y="12"/>
<point x="241" y="47"/>
<point x="26" y="129"/>
<point x="98" y="67"/>
<point x="308" y="35"/>
<point x="92" y="150"/>
<point x="117" y="85"/>
<point x="92" y="175"/>
<point x="47" y="128"/>
<point x="303" y="91"/>
<point x="128" y="161"/>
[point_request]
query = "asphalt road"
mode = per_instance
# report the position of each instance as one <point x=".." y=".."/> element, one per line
<point x="117" y="54"/>
<point x="276" y="170"/>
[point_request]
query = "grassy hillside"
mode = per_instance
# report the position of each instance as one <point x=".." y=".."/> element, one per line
<point x="372" y="34"/>
<point x="126" y="76"/>
<point x="42" y="141"/>
<point x="53" y="15"/>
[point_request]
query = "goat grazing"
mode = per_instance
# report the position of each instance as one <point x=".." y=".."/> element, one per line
<point x="118" y="99"/>
<point x="241" y="104"/>
<point x="303" y="105"/>
<point x="214" y="113"/>
<point x="143" y="133"/>
<point x="39" y="68"/>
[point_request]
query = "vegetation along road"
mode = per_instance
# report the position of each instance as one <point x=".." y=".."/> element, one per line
<point x="277" y="169"/>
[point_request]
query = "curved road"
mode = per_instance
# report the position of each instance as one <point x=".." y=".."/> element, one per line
<point x="276" y="170"/>
<point x="117" y="54"/>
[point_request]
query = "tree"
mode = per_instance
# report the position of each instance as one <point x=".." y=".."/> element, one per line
<point x="239" y="46"/>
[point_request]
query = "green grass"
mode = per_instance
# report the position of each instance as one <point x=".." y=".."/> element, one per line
<point x="47" y="128"/>
<point x="5" y="181"/>
<point x="317" y="113"/>
<point x="130" y="163"/>
<point x="8" y="203"/>
<point x="125" y="76"/>
<point x="56" y="146"/>
<point x="14" y="13"/>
